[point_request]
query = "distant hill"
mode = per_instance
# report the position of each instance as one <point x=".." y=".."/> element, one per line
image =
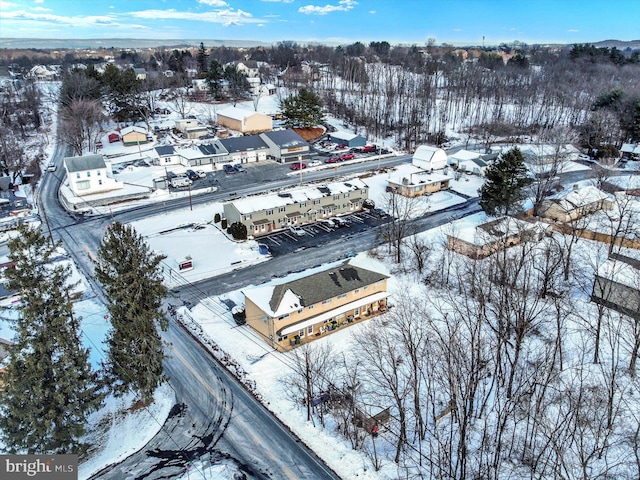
<point x="619" y="44"/>
<point x="41" y="43"/>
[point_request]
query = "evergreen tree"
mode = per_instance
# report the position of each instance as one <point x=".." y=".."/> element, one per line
<point x="201" y="59"/>
<point x="128" y="271"/>
<point x="214" y="78"/>
<point x="302" y="110"/>
<point x="505" y="182"/>
<point x="49" y="387"/>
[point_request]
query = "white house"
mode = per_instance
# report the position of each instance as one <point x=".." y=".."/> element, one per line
<point x="89" y="174"/>
<point x="467" y="161"/>
<point x="430" y="158"/>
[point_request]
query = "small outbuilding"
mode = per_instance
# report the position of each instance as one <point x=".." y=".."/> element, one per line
<point x="347" y="138"/>
<point x="134" y="136"/>
<point x="114" y="137"/>
<point x="430" y="158"/>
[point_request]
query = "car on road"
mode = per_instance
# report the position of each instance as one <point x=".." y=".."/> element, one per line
<point x="228" y="168"/>
<point x="192" y="175"/>
<point x="314" y="163"/>
<point x="51" y="167"/>
<point x="347" y="156"/>
<point x="239" y="168"/>
<point x="297" y="230"/>
<point x="298" y="166"/>
<point x="332" y="160"/>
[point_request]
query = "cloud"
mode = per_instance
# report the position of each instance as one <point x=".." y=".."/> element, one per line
<point x="343" y="6"/>
<point x="77" y="21"/>
<point x="5" y="5"/>
<point x="225" y="17"/>
<point x="214" y="3"/>
<point x="372" y="12"/>
<point x="278" y="1"/>
<point x="38" y="1"/>
<point x="573" y="30"/>
<point x="40" y="9"/>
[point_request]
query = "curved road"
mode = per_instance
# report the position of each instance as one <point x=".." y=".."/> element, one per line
<point x="214" y="417"/>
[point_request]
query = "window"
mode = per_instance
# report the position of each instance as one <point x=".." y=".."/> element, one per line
<point x="282" y="209"/>
<point x="300" y="310"/>
<point x="270" y="212"/>
<point x="328" y="300"/>
<point x="88" y="174"/>
<point x="283" y="338"/>
<point x="303" y="204"/>
<point x="344" y="295"/>
<point x="316" y="202"/>
<point x="366" y="287"/>
<point x="99" y="182"/>
<point x="83" y="185"/>
<point x="310" y="307"/>
<point x="346" y="195"/>
<point x="336" y="197"/>
<point x="301" y="333"/>
<point x="309" y="329"/>
<point x="356" y="312"/>
<point x="99" y="173"/>
<point x="77" y="175"/>
<point x="283" y="316"/>
<point x="357" y="290"/>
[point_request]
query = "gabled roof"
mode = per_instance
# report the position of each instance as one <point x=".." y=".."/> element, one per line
<point x="165" y="150"/>
<point x="128" y="130"/>
<point x="575" y="198"/>
<point x="285" y="138"/>
<point x="243" y="144"/>
<point x="81" y="164"/>
<point x="344" y="135"/>
<point x="215" y="148"/>
<point x="283" y="296"/>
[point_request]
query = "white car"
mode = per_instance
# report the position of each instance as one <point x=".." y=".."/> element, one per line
<point x="201" y="173"/>
<point x="314" y="163"/>
<point x="51" y="167"/>
<point x="297" y="230"/>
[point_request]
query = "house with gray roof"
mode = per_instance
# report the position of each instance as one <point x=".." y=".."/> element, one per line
<point x="305" y="306"/>
<point x="89" y="174"/>
<point x="286" y="146"/>
<point x="165" y="155"/>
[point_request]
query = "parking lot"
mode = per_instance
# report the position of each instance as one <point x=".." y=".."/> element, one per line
<point x="317" y="234"/>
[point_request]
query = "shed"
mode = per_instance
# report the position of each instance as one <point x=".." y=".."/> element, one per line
<point x="114" y="137"/>
<point x="347" y="138"/>
<point x="430" y="158"/>
<point x="134" y="136"/>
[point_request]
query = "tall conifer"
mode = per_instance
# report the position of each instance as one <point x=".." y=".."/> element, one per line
<point x="49" y="386"/>
<point x="129" y="273"/>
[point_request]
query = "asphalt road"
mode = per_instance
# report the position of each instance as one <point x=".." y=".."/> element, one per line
<point x="214" y="416"/>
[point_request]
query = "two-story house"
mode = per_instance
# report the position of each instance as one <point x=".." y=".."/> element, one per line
<point x="89" y="174"/>
<point x="302" y="307"/>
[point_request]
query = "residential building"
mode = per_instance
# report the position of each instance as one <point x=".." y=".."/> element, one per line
<point x="141" y="73"/>
<point x="418" y="184"/>
<point x="349" y="139"/>
<point x="544" y="154"/>
<point x="262" y="214"/>
<point x="484" y="239"/>
<point x="617" y="285"/>
<point x="165" y="155"/>
<point x="630" y="151"/>
<point x="89" y="174"/>
<point x="184" y="123"/>
<point x="133" y="136"/>
<point x="429" y="158"/>
<point x="468" y="162"/>
<point x="300" y="308"/>
<point x="250" y="148"/>
<point x="286" y="146"/>
<point x="570" y="205"/>
<point x="243" y="120"/>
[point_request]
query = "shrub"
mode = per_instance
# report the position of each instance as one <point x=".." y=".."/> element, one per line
<point x="224" y="224"/>
<point x="238" y="230"/>
<point x="217" y="218"/>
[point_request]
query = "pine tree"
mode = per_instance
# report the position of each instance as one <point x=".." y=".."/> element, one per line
<point x="49" y="386"/>
<point x="128" y="271"/>
<point x="303" y="109"/>
<point x="505" y="182"/>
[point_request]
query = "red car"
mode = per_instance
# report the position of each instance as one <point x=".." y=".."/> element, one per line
<point x="367" y="148"/>
<point x="333" y="160"/>
<point x="347" y="156"/>
<point x="298" y="166"/>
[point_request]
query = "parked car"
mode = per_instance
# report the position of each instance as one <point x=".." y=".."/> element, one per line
<point x="180" y="181"/>
<point x="171" y="175"/>
<point x="327" y="222"/>
<point x="297" y="230"/>
<point x="239" y="168"/>
<point x="332" y="160"/>
<point x="314" y="163"/>
<point x="228" y="168"/>
<point x="298" y="166"/>
<point x="51" y="167"/>
<point x="192" y="175"/>
<point x="201" y="173"/>
<point x="379" y="212"/>
<point x="367" y="149"/>
<point x="347" y="156"/>
<point x="341" y="222"/>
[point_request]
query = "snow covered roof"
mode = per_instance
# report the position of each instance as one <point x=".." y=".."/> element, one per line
<point x="484" y="232"/>
<point x="257" y="203"/>
<point x="237" y="113"/>
<point x="570" y="199"/>
<point x="630" y="148"/>
<point x="344" y="135"/>
<point x="464" y="155"/>
<point x="620" y="272"/>
<point x="286" y="295"/>
<point x="285" y="138"/>
<point x="128" y="130"/>
<point x="421" y="177"/>
<point x="87" y="162"/>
